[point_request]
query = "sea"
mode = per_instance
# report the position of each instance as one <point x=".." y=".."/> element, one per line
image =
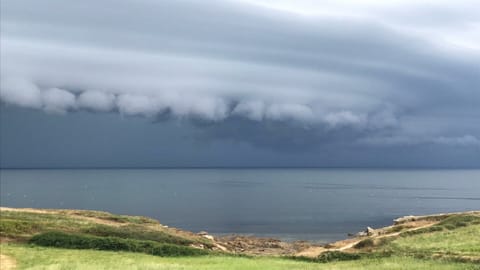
<point x="319" y="205"/>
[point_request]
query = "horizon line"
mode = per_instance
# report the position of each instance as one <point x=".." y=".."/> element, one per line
<point x="241" y="167"/>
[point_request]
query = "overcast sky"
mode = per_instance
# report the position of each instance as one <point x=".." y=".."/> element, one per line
<point x="150" y="83"/>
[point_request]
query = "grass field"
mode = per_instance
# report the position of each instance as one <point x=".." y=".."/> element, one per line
<point x="461" y="242"/>
<point x="29" y="257"/>
<point x="97" y="240"/>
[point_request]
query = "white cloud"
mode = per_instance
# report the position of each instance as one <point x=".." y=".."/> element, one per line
<point x="345" y="118"/>
<point x="138" y="105"/>
<point x="20" y="92"/>
<point x="58" y="100"/>
<point x="467" y="140"/>
<point x="254" y="110"/>
<point x="289" y="112"/>
<point x="96" y="100"/>
<point x="333" y="64"/>
<point x="209" y="108"/>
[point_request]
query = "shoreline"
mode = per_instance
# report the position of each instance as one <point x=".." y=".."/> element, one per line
<point x="255" y="245"/>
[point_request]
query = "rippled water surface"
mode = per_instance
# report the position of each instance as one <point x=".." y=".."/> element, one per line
<point x="313" y="204"/>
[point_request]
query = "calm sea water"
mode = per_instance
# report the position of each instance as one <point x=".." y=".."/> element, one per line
<point x="292" y="204"/>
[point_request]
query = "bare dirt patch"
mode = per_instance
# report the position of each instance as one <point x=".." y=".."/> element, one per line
<point x="28" y="210"/>
<point x="7" y="262"/>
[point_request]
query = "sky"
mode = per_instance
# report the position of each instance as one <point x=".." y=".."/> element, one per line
<point x="239" y="83"/>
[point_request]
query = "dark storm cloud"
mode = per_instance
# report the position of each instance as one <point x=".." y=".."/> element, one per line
<point x="282" y="74"/>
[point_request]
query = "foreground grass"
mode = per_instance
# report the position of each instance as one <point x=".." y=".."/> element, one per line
<point x="463" y="241"/>
<point x="72" y="239"/>
<point x="33" y="258"/>
<point x="456" y="238"/>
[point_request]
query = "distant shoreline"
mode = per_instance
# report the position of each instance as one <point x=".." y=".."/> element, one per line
<point x="240" y="168"/>
<point x="250" y="245"/>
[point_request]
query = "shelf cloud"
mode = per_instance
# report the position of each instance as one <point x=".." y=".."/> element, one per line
<point x="379" y="72"/>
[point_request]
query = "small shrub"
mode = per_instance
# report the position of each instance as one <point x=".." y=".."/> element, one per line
<point x="395" y="229"/>
<point x="333" y="256"/>
<point x="329" y="256"/>
<point x="369" y="242"/>
<point x="136" y="232"/>
<point x="384" y="241"/>
<point x="450" y="227"/>
<point x="462" y="224"/>
<point x="434" y="228"/>
<point x="379" y="254"/>
<point x="78" y="241"/>
<point x="454" y="222"/>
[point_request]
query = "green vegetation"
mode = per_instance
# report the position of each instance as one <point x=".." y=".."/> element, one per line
<point x="71" y="239"/>
<point x="394" y="229"/>
<point x="456" y="238"/>
<point x="21" y="226"/>
<point x="461" y="242"/>
<point x="111" y="217"/>
<point x="336" y="256"/>
<point x="13" y="228"/>
<point x="368" y="242"/>
<point x="450" y="223"/>
<point x="330" y="256"/>
<point x="36" y="258"/>
<point x="136" y="232"/>
<point x="78" y="241"/>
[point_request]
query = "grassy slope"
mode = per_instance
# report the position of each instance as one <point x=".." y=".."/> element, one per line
<point x="22" y="225"/>
<point x="454" y="238"/>
<point x="50" y="258"/>
<point x="442" y="246"/>
<point x="462" y="241"/>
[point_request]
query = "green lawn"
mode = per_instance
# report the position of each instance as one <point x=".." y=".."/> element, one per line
<point x="460" y="241"/>
<point x="30" y="257"/>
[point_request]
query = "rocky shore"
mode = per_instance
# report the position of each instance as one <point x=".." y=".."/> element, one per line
<point x="34" y="221"/>
<point x="251" y="245"/>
